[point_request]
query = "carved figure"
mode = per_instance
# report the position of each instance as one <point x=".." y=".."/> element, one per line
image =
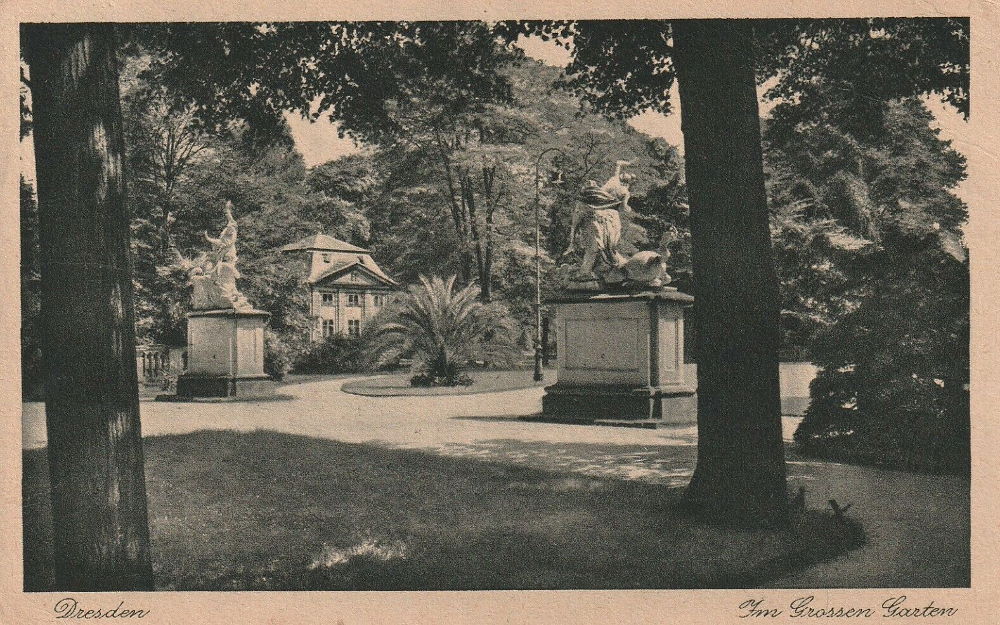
<point x="600" y="236"/>
<point x="646" y="268"/>
<point x="213" y="274"/>
<point x="602" y="230"/>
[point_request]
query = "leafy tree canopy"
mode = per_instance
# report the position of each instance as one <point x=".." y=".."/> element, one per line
<point x="625" y="66"/>
<point x="349" y="70"/>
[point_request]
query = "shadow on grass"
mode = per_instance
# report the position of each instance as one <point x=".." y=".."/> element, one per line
<point x="271" y="511"/>
<point x="667" y="461"/>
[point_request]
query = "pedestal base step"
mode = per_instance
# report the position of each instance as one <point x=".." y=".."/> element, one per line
<point x="590" y="403"/>
<point x="255" y="386"/>
<point x="649" y="424"/>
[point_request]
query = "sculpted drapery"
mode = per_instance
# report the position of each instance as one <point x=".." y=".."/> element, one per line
<point x="600" y="210"/>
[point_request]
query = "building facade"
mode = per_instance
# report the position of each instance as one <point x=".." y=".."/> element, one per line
<point x="346" y="286"/>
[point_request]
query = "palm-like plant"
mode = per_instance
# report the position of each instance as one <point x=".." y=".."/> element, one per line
<point x="443" y="329"/>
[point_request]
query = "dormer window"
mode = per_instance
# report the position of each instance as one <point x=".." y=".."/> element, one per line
<point x="326" y="257"/>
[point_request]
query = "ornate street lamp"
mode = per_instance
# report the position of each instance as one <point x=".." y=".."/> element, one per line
<point x="538" y="267"/>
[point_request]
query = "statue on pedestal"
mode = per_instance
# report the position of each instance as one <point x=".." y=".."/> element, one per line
<point x="213" y="274"/>
<point x="225" y="346"/>
<point x="600" y="211"/>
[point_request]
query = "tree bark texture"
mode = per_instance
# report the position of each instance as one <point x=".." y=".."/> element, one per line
<point x="100" y="526"/>
<point x="740" y="473"/>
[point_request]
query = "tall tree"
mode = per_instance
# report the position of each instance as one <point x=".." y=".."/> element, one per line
<point x="741" y="464"/>
<point x="163" y="145"/>
<point x="100" y="527"/>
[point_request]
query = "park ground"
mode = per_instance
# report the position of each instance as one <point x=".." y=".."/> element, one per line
<point x="335" y="490"/>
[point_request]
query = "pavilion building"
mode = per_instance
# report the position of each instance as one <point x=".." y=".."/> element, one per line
<point x="346" y="286"/>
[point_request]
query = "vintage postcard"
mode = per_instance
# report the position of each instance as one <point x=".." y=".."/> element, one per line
<point x="496" y="312"/>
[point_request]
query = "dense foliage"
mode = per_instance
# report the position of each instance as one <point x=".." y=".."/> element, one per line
<point x="184" y="171"/>
<point x="457" y="196"/>
<point x="625" y="67"/>
<point x="31" y="338"/>
<point x="869" y="238"/>
<point x="338" y="353"/>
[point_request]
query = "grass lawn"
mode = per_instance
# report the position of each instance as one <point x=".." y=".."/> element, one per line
<point x="271" y="511"/>
<point x="484" y="381"/>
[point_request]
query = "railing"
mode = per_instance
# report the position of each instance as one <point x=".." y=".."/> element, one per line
<point x="154" y="362"/>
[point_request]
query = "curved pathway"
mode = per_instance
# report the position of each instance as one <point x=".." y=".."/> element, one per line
<point x="917" y="525"/>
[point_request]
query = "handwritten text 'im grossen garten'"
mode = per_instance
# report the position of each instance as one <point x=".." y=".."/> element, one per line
<point x="806" y="607"/>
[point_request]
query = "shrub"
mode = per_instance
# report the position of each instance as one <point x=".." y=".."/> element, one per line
<point x="454" y="377"/>
<point x="278" y="355"/>
<point x="168" y="384"/>
<point x="893" y="385"/>
<point x="442" y="328"/>
<point x="906" y="423"/>
<point x="334" y="354"/>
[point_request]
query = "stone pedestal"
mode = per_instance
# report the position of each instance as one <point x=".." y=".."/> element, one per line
<point x="225" y="355"/>
<point x="621" y="357"/>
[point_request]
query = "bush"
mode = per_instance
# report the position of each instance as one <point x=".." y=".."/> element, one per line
<point x="278" y="355"/>
<point x="909" y="423"/>
<point x="168" y="384"/>
<point x="451" y="377"/>
<point x="334" y="354"/>
<point x="892" y="390"/>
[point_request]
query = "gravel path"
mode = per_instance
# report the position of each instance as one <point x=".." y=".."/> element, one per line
<point x="917" y="525"/>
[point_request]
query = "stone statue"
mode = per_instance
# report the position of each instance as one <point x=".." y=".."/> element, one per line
<point x="213" y="274"/>
<point x="601" y="209"/>
<point x="602" y="231"/>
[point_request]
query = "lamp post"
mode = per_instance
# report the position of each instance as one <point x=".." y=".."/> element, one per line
<point x="538" y="267"/>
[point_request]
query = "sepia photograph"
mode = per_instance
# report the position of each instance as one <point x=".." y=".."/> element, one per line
<point x="496" y="305"/>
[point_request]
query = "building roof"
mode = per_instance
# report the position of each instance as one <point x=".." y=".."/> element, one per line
<point x="364" y="262"/>
<point x="322" y="243"/>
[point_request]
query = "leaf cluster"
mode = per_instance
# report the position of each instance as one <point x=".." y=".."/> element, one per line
<point x="443" y="328"/>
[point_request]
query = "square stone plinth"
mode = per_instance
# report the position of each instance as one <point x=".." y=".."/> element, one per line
<point x="225" y="355"/>
<point x="224" y="386"/>
<point x="621" y="357"/>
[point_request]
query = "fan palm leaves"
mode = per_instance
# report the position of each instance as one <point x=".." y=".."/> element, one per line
<point x="443" y="328"/>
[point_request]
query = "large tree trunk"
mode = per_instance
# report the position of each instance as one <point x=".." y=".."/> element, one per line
<point x="740" y="473"/>
<point x="100" y="528"/>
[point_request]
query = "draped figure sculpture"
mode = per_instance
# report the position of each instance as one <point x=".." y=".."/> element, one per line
<point x="600" y="209"/>
<point x="213" y="274"/>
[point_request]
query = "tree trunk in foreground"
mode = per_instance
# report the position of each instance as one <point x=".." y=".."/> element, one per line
<point x="740" y="475"/>
<point x="99" y="518"/>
